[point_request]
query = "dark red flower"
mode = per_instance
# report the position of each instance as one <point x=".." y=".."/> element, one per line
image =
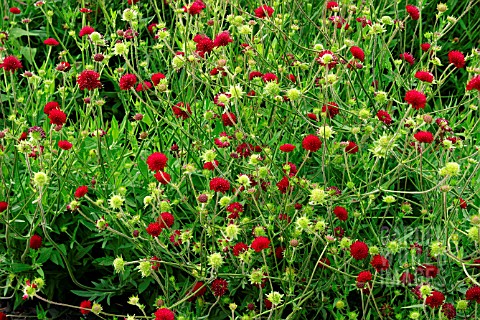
<point x="416" y="98"/>
<point x="427" y="270"/>
<point x="157" y="161"/>
<point x="260" y="243"/>
<point x="457" y="59"/>
<point x="332" y="4"/>
<point x="279" y="252"/>
<point x="413" y="12"/>
<point x="63" y="66"/>
<point x="341" y="213"/>
<point x="219" y="287"/>
<point x="424" y="136"/>
<point x="166" y="220"/>
<point x="263" y="11"/>
<point x="145" y="85"/>
<point x="203" y="43"/>
<point x="338" y="232"/>
<point x="449" y="311"/>
<point x="57" y="117"/>
<point x="35" y="242"/>
<point x="164" y="314"/>
<point x="384" y="116"/>
<point x="84" y="305"/>
<point x="154" y="229"/>
<point x="435" y="300"/>
<point x="380" y="263"/>
<point x="11" y="63"/>
<point x="287" y="147"/>
<point x="175" y="238"/>
<point x="407" y="278"/>
<point x="359" y="250"/>
<point x="87" y="30"/>
<point x="254" y="74"/>
<point x="408" y="58"/>
<point x="331" y="62"/>
<point x="162" y="177"/>
<point x="49" y="106"/>
<point x="474" y="83"/>
<point x="81" y="191"/>
<point x="198" y="290"/>
<point x="424" y="76"/>
<point x="210" y="165"/>
<point x="352" y="147"/>
<point x="222" y="39"/>
<point x="358" y="53"/>
<point x="283" y="184"/>
<point x="311" y="143"/>
<point x="331" y="109"/>
<point x="463" y="204"/>
<point x="156" y="77"/>
<point x="182" y="110"/>
<point x="323" y="262"/>
<point x="364" y="276"/>
<point x="51" y="42"/>
<point x="85" y="10"/>
<point x="234" y="208"/>
<point x="267" y="77"/>
<point x="3" y="206"/>
<point x="219" y="185"/>
<point x="473" y="293"/>
<point x="127" y="81"/>
<point x="425" y="46"/>
<point x="15" y="10"/>
<point x="89" y="79"/>
<point x="194" y="8"/>
<point x="229" y="119"/>
<point x="239" y="248"/>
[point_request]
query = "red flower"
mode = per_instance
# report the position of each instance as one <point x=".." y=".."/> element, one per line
<point x="425" y="46"/>
<point x="234" y="208"/>
<point x="359" y="250"/>
<point x="413" y="12"/>
<point x="341" y="213"/>
<point x="263" y="11"/>
<point x="11" y="63"/>
<point x="182" y="110"/>
<point x="3" y="206"/>
<point x="222" y="39"/>
<point x="283" y="184"/>
<point x="449" y="311"/>
<point x="84" y="305"/>
<point x="380" y="263"/>
<point x="229" y="119"/>
<point x="210" y="165"/>
<point x="89" y="79"/>
<point x="407" y="57"/>
<point x="156" y="77"/>
<point x="330" y="64"/>
<point x="145" y="85"/>
<point x="204" y="43"/>
<point x="358" y="53"/>
<point x="352" y="147"/>
<point x="267" y="77"/>
<point x="323" y="262"/>
<point x="164" y="314"/>
<point x="255" y="74"/>
<point x="162" y="177"/>
<point x="424" y="76"/>
<point x="194" y="8"/>
<point x="85" y="10"/>
<point x="175" y="238"/>
<point x="427" y="270"/>
<point x="81" y="191"/>
<point x="35" y="242"/>
<point x="3" y="316"/>
<point x="219" y="287"/>
<point x="260" y="243"/>
<point x="407" y="278"/>
<point x="49" y="106"/>
<point x="473" y="293"/>
<point x="435" y="300"/>
<point x="416" y="98"/>
<point x="474" y="83"/>
<point x="457" y="59"/>
<point x="157" y="161"/>
<point x="292" y="78"/>
<point x="331" y="109"/>
<point x="197" y="290"/>
<point x="166" y="220"/>
<point x="287" y="147"/>
<point x="219" y="185"/>
<point x="15" y="10"/>
<point x="57" y="117"/>
<point x="127" y="81"/>
<point x="63" y="66"/>
<point x="383" y="116"/>
<point x="463" y="204"/>
<point x="154" y="229"/>
<point x="364" y="276"/>
<point x="87" y="30"/>
<point x="239" y="248"/>
<point x="311" y="143"/>
<point x="64" y="144"/>
<point x="332" y="4"/>
<point x="51" y="42"/>
<point x="424" y="136"/>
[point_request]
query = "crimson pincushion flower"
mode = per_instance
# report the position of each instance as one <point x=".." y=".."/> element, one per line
<point x="219" y="185"/>
<point x="145" y="85"/>
<point x="156" y="77"/>
<point x="359" y="250"/>
<point x="51" y="42"/>
<point x="254" y="74"/>
<point x="427" y="270"/>
<point x="263" y="11"/>
<point x="219" y="287"/>
<point x="203" y="43"/>
<point x="198" y="290"/>
<point x="260" y="243"/>
<point x="57" y="117"/>
<point x="331" y="109"/>
<point x="424" y="76"/>
<point x="407" y="57"/>
<point x="407" y="278"/>
<point x="311" y="143"/>
<point x="341" y="213"/>
<point x="194" y="8"/>
<point x="182" y="110"/>
<point x="3" y="206"/>
<point x="164" y="314"/>
<point x="229" y="119"/>
<point x="380" y="263"/>
<point x="327" y="58"/>
<point x="384" y="116"/>
<point x="14" y="10"/>
<point x="267" y="77"/>
<point x="157" y="161"/>
<point x="127" y="81"/>
<point x="351" y="148"/>
<point x="474" y="83"/>
<point x="331" y="5"/>
<point x="35" y="242"/>
<point x="166" y="220"/>
<point x="65" y="145"/>
<point x="416" y="98"/>
<point x="84" y="305"/>
<point x="89" y="79"/>
<point x="234" y="208"/>
<point x="358" y="53"/>
<point x="87" y="30"/>
<point x="222" y="39"/>
<point x="463" y="203"/>
<point x="413" y="12"/>
<point x="49" y="106"/>
<point x="154" y="229"/>
<point x="239" y="248"/>
<point x="364" y="276"/>
<point x="473" y="293"/>
<point x="283" y="184"/>
<point x="287" y="147"/>
<point x="425" y="46"/>
<point x="424" y="136"/>
<point x="162" y="177"/>
<point x="449" y="311"/>
<point x="11" y="63"/>
<point x="456" y="58"/>
<point x="81" y="191"/>
<point x="435" y="300"/>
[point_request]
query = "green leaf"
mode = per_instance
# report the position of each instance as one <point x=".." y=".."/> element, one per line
<point x="17" y="32"/>
<point x="20" y="267"/>
<point x="28" y="53"/>
<point x="144" y="285"/>
<point x="57" y="259"/>
<point x="114" y="129"/>
<point x="45" y="254"/>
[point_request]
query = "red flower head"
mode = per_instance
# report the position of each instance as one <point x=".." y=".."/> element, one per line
<point x="424" y="76"/>
<point x="11" y="63"/>
<point x="463" y="204"/>
<point x="81" y="191"/>
<point x="260" y="243"/>
<point x="210" y="165"/>
<point x="283" y="185"/>
<point x="219" y="287"/>
<point x="219" y="185"/>
<point x="425" y="46"/>
<point x="127" y="81"/>
<point x="154" y="229"/>
<point x="229" y="119"/>
<point x="204" y="43"/>
<point x="287" y="147"/>
<point x="164" y="314"/>
<point x="311" y="143"/>
<point x="222" y="39"/>
<point x="351" y="148"/>
<point x="194" y="8"/>
<point x="157" y="161"/>
<point x="331" y="62"/>
<point x="63" y="66"/>
<point x="435" y="300"/>
<point x="3" y="206"/>
<point x="427" y="270"/>
<point x="413" y="12"/>
<point x="162" y="177"/>
<point x="156" y="77"/>
<point x="457" y="59"/>
<point x="416" y="98"/>
<point x="254" y="74"/>
<point x="424" y="136"/>
<point x="89" y="79"/>
<point x="85" y="31"/>
<point x="234" y="208"/>
<point x="331" y="5"/>
<point x="35" y="242"/>
<point x="267" y="77"/>
<point x="407" y="57"/>
<point x="473" y="293"/>
<point x="145" y="85"/>
<point x="50" y="106"/>
<point x="323" y="262"/>
<point x="359" y="250"/>
<point x="449" y="311"/>
<point x="166" y="220"/>
<point x="263" y="11"/>
<point x="57" y="117"/>
<point x="84" y="305"/>
<point x="196" y="291"/>
<point x="331" y="108"/>
<point x="341" y="213"/>
<point x="239" y="248"/>
<point x="380" y="263"/>
<point x="364" y="276"/>
<point x="384" y="117"/>
<point x="15" y="10"/>
<point x="182" y="110"/>
<point x="407" y="278"/>
<point x="51" y="42"/>
<point x="358" y="53"/>
<point x="474" y="83"/>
